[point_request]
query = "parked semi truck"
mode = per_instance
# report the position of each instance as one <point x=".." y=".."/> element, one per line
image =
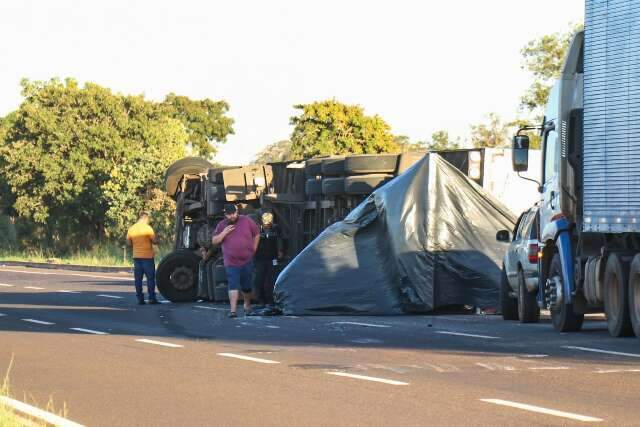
<point x="304" y="196"/>
<point x="589" y="258"/>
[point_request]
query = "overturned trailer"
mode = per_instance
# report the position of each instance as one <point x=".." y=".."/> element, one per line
<point x="305" y="197"/>
<point x="424" y="240"/>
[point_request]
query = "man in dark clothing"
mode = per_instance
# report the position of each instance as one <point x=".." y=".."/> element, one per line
<point x="239" y="237"/>
<point x="267" y="256"/>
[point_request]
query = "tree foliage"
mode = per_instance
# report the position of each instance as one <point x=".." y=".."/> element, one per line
<point x="277" y="152"/>
<point x="493" y="133"/>
<point x="543" y="58"/>
<point x="440" y="140"/>
<point x="405" y="144"/>
<point x="81" y="161"/>
<point x="330" y="127"/>
<point x="205" y="120"/>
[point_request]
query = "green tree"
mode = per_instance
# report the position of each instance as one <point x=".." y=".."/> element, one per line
<point x="205" y="120"/>
<point x="80" y="161"/>
<point x="330" y="127"/>
<point x="543" y="58"/>
<point x="405" y="144"/>
<point x="277" y="152"/>
<point x="494" y="133"/>
<point x="440" y="140"/>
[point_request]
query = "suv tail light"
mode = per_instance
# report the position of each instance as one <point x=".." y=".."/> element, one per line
<point x="533" y="253"/>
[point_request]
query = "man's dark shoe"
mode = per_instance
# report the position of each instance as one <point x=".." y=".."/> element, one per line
<point x="251" y="313"/>
<point x="141" y="302"/>
<point x="232" y="315"/>
<point x="153" y="301"/>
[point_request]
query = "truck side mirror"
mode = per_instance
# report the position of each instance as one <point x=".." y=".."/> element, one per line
<point x="520" y="153"/>
<point x="503" y="236"/>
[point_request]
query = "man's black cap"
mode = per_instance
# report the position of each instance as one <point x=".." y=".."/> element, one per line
<point x="230" y="208"/>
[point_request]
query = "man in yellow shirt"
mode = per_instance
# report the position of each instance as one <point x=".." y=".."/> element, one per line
<point x="142" y="237"/>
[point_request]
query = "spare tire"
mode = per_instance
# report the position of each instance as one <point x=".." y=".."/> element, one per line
<point x="177" y="276"/>
<point x="365" y="184"/>
<point x="313" y="187"/>
<point x="333" y="166"/>
<point x="371" y="163"/>
<point x="333" y="186"/>
<point x="313" y="167"/>
<point x="188" y="165"/>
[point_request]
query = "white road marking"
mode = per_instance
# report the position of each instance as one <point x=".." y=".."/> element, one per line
<point x="549" y="368"/>
<point x="89" y="331"/>
<point x="366" y="378"/>
<point x="47" y="417"/>
<point x="6" y="285"/>
<point x="541" y="410"/>
<point x="65" y="291"/>
<point x="370" y="325"/>
<point x="34" y="287"/>
<point x="533" y="355"/>
<point x="66" y="274"/>
<point x="109" y="296"/>
<point x="615" y="371"/>
<point x="597" y="350"/>
<point x="2" y="314"/>
<point x="467" y="335"/>
<point x="273" y="327"/>
<point x="250" y="359"/>
<point x="211" y="308"/>
<point x="164" y="344"/>
<point x="39" y="322"/>
<point x="486" y="366"/>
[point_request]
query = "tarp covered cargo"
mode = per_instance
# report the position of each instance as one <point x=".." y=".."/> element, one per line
<point x="424" y="240"/>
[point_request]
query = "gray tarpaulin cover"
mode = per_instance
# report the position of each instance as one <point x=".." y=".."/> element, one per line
<point x="426" y="239"/>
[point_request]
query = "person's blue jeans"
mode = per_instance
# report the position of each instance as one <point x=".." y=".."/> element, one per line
<point x="144" y="267"/>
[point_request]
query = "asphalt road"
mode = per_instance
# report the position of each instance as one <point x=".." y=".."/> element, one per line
<point x="79" y="339"/>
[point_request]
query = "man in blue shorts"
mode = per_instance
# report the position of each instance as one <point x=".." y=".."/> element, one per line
<point x="239" y="237"/>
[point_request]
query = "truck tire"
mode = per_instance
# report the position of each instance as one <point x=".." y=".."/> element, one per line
<point x="508" y="304"/>
<point x="333" y="166"/>
<point x="313" y="167"/>
<point x="528" y="310"/>
<point x="365" y="184"/>
<point x="562" y="315"/>
<point x="313" y="187"/>
<point x="634" y="295"/>
<point x="177" y="276"/>
<point x="616" y="307"/>
<point x="370" y="163"/>
<point x="333" y="186"/>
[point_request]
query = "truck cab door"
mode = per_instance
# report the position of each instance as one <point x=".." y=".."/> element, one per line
<point x="550" y="204"/>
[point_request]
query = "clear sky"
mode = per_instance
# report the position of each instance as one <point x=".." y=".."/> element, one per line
<point x="421" y="65"/>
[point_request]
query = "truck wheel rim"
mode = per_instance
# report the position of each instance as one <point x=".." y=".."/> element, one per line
<point x="182" y="278"/>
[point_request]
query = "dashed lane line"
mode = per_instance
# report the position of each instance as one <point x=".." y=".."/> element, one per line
<point x="615" y="371"/>
<point x="89" y="331"/>
<point x="66" y="274"/>
<point x="109" y="296"/>
<point x="65" y="291"/>
<point x="541" y="410"/>
<point x="367" y="378"/>
<point x="461" y="334"/>
<point x="249" y="358"/>
<point x="32" y="411"/>
<point x="2" y="314"/>
<point x="597" y="350"/>
<point x="6" y="285"/>
<point x="37" y="288"/>
<point x="549" y="368"/>
<point x="370" y="325"/>
<point x="211" y="308"/>
<point x="38" y="322"/>
<point x="160" y="343"/>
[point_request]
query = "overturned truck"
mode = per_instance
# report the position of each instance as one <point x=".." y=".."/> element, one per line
<point x="305" y="198"/>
